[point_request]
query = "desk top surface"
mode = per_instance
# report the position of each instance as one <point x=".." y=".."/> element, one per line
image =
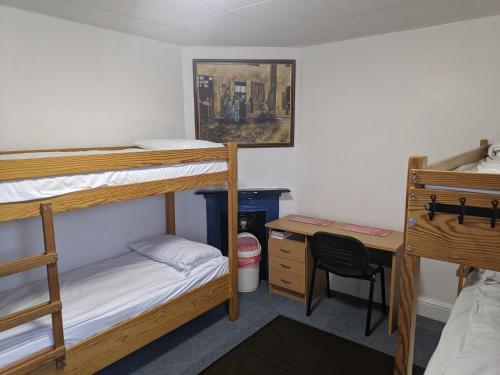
<point x="390" y="243"/>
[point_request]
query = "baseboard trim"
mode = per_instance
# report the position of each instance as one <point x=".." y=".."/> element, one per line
<point x="433" y="309"/>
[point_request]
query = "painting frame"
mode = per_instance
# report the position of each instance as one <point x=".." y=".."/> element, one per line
<point x="291" y="63"/>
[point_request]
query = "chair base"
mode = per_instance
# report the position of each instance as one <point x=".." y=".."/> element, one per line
<point x="372" y="280"/>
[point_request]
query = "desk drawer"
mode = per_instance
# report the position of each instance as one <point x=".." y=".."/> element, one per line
<point x="287" y="281"/>
<point x="277" y="264"/>
<point x="289" y="249"/>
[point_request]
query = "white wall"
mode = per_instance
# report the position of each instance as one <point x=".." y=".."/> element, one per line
<point x="262" y="167"/>
<point x="68" y="84"/>
<point x="368" y="104"/>
<point x="64" y="84"/>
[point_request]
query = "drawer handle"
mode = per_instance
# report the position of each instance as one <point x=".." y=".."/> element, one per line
<point x="285" y="251"/>
<point x="285" y="281"/>
<point x="287" y="267"/>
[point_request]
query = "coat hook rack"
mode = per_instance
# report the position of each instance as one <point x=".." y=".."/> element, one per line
<point x="462" y="210"/>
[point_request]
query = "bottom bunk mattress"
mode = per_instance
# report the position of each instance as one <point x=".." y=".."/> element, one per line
<point x="470" y="340"/>
<point x="96" y="297"/>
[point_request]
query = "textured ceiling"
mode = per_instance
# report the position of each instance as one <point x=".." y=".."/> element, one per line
<point x="278" y="23"/>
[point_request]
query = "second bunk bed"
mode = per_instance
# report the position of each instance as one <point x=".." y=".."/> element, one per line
<point x="452" y="215"/>
<point x="91" y="317"/>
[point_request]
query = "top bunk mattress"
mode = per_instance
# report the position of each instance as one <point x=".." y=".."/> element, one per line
<point x="470" y="339"/>
<point x="95" y="297"/>
<point x="48" y="187"/>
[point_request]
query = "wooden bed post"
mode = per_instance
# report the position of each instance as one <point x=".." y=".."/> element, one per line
<point x="232" y="227"/>
<point x="410" y="267"/>
<point x="170" y="212"/>
<point x="53" y="282"/>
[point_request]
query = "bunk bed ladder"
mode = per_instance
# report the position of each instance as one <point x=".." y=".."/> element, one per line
<point x="52" y="307"/>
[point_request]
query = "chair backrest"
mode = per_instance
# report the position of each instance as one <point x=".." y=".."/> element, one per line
<point x="342" y="255"/>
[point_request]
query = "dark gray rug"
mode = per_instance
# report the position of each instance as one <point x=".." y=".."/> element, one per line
<point x="193" y="347"/>
<point x="285" y="346"/>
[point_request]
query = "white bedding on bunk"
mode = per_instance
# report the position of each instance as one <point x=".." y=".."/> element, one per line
<point x="487" y="165"/>
<point x="39" y="188"/>
<point x="97" y="296"/>
<point x="470" y="341"/>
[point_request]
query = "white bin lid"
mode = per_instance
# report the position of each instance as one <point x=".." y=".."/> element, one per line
<point x="248" y="245"/>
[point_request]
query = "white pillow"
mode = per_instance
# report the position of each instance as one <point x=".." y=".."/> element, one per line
<point x="174" y="144"/>
<point x="177" y="252"/>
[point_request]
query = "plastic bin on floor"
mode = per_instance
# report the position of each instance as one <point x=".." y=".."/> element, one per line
<point x="249" y="258"/>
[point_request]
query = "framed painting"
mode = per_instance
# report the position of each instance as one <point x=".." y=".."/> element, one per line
<point x="251" y="102"/>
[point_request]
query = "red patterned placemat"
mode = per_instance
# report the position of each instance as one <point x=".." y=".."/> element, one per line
<point x="310" y="220"/>
<point x="366" y="230"/>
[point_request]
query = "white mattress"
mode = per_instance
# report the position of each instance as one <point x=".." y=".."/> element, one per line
<point x="486" y="165"/>
<point x="96" y="297"/>
<point x="40" y="188"/>
<point x="470" y="341"/>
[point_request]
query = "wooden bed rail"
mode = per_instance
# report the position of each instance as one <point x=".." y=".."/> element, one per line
<point x="467" y="240"/>
<point x="483" y="181"/>
<point x="468" y="157"/>
<point x="43" y="167"/>
<point x="12" y="169"/>
<point x="442" y="173"/>
<point x="97" y="148"/>
<point x="109" y="194"/>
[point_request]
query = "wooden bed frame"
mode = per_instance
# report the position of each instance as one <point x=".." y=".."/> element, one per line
<point x="108" y="346"/>
<point x="472" y="243"/>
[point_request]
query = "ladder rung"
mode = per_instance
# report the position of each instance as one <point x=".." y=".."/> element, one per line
<point x="34" y="362"/>
<point x="27" y="263"/>
<point x="28" y="315"/>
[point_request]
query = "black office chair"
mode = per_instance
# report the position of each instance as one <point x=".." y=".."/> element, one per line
<point x="348" y="257"/>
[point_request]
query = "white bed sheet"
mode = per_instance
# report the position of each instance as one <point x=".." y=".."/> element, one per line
<point x="96" y="297"/>
<point x="470" y="341"/>
<point x="486" y="165"/>
<point x="40" y="188"/>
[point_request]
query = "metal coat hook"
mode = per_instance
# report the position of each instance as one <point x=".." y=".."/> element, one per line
<point x="493" y="221"/>
<point x="462" y="211"/>
<point x="431" y="207"/>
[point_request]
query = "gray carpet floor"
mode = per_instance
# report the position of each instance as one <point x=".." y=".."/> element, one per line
<point x="194" y="346"/>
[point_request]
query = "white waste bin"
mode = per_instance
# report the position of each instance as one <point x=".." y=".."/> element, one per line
<point x="249" y="258"/>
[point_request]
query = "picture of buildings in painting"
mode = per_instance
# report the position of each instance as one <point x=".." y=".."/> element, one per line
<point x="243" y="102"/>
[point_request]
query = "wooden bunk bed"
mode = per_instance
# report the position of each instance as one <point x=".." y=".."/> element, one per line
<point x="108" y="346"/>
<point x="451" y="216"/>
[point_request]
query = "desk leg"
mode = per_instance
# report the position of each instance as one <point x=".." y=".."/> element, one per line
<point x="392" y="321"/>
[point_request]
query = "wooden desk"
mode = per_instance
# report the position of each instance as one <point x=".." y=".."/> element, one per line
<point x="382" y="247"/>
